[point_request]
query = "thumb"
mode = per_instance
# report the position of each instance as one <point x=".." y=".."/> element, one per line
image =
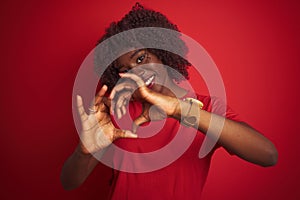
<point x="80" y="108"/>
<point x="125" y="134"/>
<point x="129" y="134"/>
<point x="139" y="121"/>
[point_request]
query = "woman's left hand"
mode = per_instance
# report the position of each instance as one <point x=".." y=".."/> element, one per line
<point x="156" y="106"/>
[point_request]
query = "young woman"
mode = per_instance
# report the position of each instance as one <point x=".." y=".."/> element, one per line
<point x="144" y="79"/>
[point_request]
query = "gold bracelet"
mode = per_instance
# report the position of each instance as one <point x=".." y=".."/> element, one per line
<point x="191" y="118"/>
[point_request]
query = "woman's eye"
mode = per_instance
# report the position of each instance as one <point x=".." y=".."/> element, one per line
<point x="124" y="71"/>
<point x="140" y="59"/>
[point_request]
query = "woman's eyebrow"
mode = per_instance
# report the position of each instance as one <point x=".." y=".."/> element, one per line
<point x="135" y="52"/>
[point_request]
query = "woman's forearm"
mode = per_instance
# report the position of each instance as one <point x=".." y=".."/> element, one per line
<point x="240" y="139"/>
<point x="77" y="168"/>
<point x="236" y="137"/>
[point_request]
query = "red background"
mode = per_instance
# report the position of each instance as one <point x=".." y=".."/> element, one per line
<point x="256" y="46"/>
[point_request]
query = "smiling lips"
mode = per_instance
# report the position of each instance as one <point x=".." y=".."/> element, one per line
<point x="149" y="81"/>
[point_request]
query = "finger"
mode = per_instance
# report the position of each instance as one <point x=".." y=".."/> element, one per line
<point x="115" y="108"/>
<point x="94" y="107"/>
<point x="129" y="134"/>
<point x="121" y="87"/>
<point x="119" y="114"/>
<point x="118" y="88"/>
<point x="112" y="106"/>
<point x="80" y="108"/>
<point x="104" y="106"/>
<point x="133" y="77"/>
<point x="123" y="109"/>
<point x="100" y="94"/>
<point x="138" y="121"/>
<point x="120" y="104"/>
<point x="106" y="101"/>
<point x="124" y="134"/>
<point x="124" y="101"/>
<point x="118" y="100"/>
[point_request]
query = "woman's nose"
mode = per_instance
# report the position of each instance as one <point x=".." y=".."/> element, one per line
<point x="138" y="71"/>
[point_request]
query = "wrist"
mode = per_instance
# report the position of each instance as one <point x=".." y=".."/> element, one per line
<point x="181" y="109"/>
<point x="190" y="112"/>
<point x="82" y="151"/>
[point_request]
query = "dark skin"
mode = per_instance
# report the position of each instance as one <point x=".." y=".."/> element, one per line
<point x="139" y="67"/>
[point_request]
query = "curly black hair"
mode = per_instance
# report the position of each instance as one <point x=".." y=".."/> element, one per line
<point x="140" y="17"/>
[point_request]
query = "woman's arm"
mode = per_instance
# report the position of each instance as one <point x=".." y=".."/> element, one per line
<point x="237" y="138"/>
<point x="98" y="132"/>
<point x="77" y="168"/>
<point x="242" y="140"/>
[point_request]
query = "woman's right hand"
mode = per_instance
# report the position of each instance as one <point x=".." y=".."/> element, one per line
<point x="98" y="131"/>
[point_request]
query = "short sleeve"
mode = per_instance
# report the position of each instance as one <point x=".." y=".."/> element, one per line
<point x="218" y="106"/>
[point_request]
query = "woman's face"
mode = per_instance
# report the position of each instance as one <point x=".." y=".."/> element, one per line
<point x="147" y="66"/>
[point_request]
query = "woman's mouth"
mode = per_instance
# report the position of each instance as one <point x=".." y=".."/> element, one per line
<point x="150" y="81"/>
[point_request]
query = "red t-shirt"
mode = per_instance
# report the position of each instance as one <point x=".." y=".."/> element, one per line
<point x="165" y="165"/>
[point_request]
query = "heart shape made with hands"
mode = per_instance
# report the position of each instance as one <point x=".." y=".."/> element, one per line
<point x="132" y="88"/>
<point x="120" y="108"/>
